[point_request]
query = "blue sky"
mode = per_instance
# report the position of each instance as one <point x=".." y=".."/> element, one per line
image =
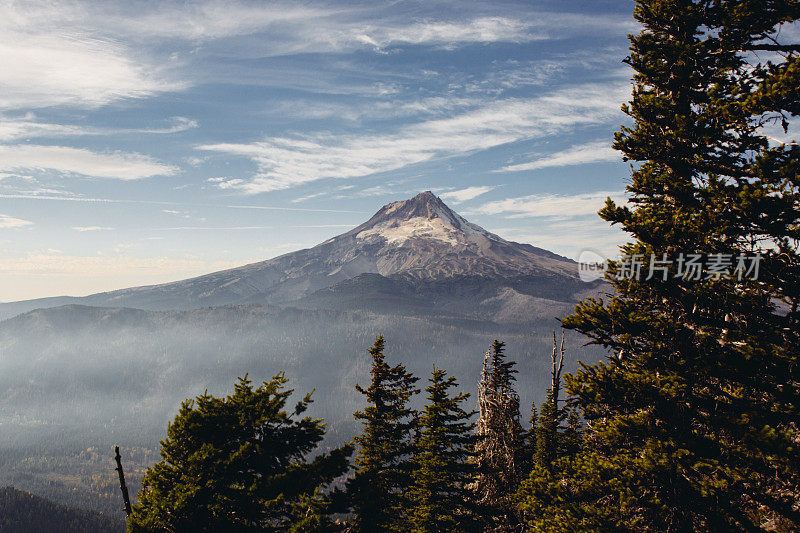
<point x="143" y="142"/>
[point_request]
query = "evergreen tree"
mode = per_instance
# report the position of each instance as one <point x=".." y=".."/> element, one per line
<point x="694" y="418"/>
<point x="379" y="488"/>
<point x="552" y="445"/>
<point x="547" y="429"/>
<point x="440" y="497"/>
<point x="237" y="464"/>
<point x="500" y="439"/>
<point x="527" y="451"/>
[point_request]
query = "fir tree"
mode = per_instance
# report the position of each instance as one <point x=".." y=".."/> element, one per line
<point x="547" y="428"/>
<point x="552" y="446"/>
<point x="440" y="497"/>
<point x="379" y="488"/>
<point x="236" y="464"/>
<point x="693" y="419"/>
<point x="500" y="439"/>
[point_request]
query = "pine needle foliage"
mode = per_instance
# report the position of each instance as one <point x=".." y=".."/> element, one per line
<point x="238" y="464"/>
<point x="441" y="500"/>
<point x="379" y="487"/>
<point x="693" y="419"/>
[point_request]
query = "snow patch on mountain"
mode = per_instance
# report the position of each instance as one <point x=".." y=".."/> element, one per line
<point x="430" y="219"/>
<point x="398" y="234"/>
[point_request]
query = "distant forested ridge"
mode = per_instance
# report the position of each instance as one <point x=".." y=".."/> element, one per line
<point x="23" y="512"/>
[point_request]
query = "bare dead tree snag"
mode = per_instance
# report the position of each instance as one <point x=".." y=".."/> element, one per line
<point x="122" y="486"/>
<point x="558" y="365"/>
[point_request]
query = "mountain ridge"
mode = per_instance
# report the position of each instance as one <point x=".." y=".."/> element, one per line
<point x="419" y="239"/>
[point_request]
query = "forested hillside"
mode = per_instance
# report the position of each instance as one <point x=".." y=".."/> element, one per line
<point x="23" y="512"/>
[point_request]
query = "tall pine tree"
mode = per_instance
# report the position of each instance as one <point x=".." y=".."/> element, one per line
<point x="694" y="418"/>
<point x="440" y="497"/>
<point x="237" y="464"/>
<point x="379" y="487"/>
<point x="552" y="443"/>
<point x="546" y="430"/>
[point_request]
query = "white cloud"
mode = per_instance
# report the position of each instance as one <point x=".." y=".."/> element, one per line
<point x="462" y="195"/>
<point x="287" y="28"/>
<point x="28" y="127"/>
<point x="311" y="109"/>
<point x="201" y="21"/>
<point x="377" y="190"/>
<point x="550" y="205"/>
<point x="115" y="165"/>
<point x="222" y="183"/>
<point x="51" y="58"/>
<point x="89" y="54"/>
<point x="285" y="162"/>
<point x="282" y="27"/>
<point x="91" y="228"/>
<point x="477" y="30"/>
<point x="308" y="197"/>
<point x="593" y="152"/>
<point x="179" y="124"/>
<point x="291" y="28"/>
<point x="565" y="224"/>
<point x="570" y="237"/>
<point x="7" y="222"/>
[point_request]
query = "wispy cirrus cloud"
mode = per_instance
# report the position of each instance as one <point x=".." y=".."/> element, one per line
<point x="593" y="152"/>
<point x="83" y="229"/>
<point x="565" y="223"/>
<point x="114" y="165"/>
<point x="550" y="205"/>
<point x="284" y="162"/>
<point x="68" y="197"/>
<point x="451" y="33"/>
<point x="308" y="197"/>
<point x="317" y="28"/>
<point x="307" y="27"/>
<point x="47" y="65"/>
<point x="29" y="127"/>
<point x="288" y="28"/>
<point x="178" y="124"/>
<point x="462" y="195"/>
<point x="7" y="222"/>
<point x="570" y="237"/>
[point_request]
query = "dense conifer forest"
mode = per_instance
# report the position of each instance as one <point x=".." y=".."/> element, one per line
<point x="22" y="512"/>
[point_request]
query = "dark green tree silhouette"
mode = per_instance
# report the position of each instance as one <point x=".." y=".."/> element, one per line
<point x="441" y="499"/>
<point x="379" y="487"/>
<point x="694" y="418"/>
<point x="238" y="463"/>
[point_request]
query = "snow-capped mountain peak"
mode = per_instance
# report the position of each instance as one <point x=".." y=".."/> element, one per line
<point x="416" y="239"/>
<point x="423" y="217"/>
